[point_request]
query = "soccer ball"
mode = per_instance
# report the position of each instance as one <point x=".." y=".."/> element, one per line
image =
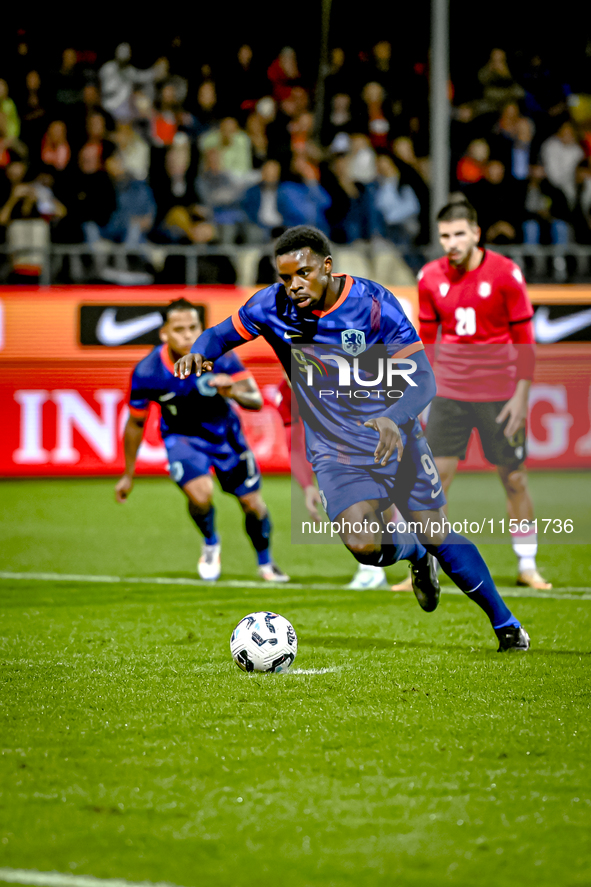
<point x="264" y="642"/>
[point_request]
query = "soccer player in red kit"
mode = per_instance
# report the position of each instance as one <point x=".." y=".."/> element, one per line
<point x="479" y="300"/>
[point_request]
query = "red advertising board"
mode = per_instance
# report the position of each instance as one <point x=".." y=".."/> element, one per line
<point x="63" y="402"/>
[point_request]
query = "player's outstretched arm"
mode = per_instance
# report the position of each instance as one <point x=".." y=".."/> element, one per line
<point x="210" y="345"/>
<point x="132" y="438"/>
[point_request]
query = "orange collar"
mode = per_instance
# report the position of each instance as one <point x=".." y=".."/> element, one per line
<point x="165" y="358"/>
<point x="346" y="290"/>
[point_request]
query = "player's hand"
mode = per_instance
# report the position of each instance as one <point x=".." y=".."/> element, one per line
<point x="222" y="381"/>
<point x="389" y="441"/>
<point x="515" y="410"/>
<point x="192" y="363"/>
<point x="123" y="488"/>
<point x="312" y="500"/>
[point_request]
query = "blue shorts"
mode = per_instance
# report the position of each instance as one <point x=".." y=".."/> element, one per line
<point x="190" y="457"/>
<point x="413" y="484"/>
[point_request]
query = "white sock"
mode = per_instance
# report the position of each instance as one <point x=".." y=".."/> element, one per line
<point x="525" y="546"/>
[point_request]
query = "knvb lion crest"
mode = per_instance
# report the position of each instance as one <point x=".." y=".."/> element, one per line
<point x="353" y="341"/>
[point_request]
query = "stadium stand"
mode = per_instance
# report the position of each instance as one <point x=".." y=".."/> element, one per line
<point x="178" y="173"/>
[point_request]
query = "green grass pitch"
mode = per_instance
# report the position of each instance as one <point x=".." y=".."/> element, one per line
<point x="402" y="750"/>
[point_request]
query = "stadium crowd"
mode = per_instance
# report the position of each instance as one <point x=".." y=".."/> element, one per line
<point x="94" y="152"/>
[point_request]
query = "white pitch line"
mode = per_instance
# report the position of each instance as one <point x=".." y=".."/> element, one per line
<point x="580" y="593"/>
<point x="58" y="879"/>
<point x="313" y="670"/>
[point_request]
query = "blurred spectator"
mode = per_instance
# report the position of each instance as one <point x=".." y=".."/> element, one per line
<point x="363" y="167"/>
<point x="346" y="215"/>
<point x="13" y="193"/>
<point x="560" y="155"/>
<point x="403" y="148"/>
<point x="83" y="111"/>
<point x="55" y="150"/>
<point x="133" y="150"/>
<point x="546" y="210"/>
<point x="396" y="203"/>
<point x="97" y="141"/>
<point x="378" y="121"/>
<point x="256" y="128"/>
<point x="338" y="79"/>
<point x="135" y="209"/>
<point x="471" y="167"/>
<point x="306" y="201"/>
<point x="173" y="185"/>
<point x="283" y="74"/>
<point x="68" y="84"/>
<point x="499" y="85"/>
<point x="339" y="123"/>
<point x="12" y="124"/>
<point x="301" y="120"/>
<point x="262" y="204"/>
<point x="381" y="68"/>
<point x="34" y="113"/>
<point x="232" y="145"/>
<point x="545" y="96"/>
<point x="513" y="143"/>
<point x="10" y="148"/>
<point x="207" y="109"/>
<point x="499" y="213"/>
<point x="498" y="89"/>
<point x="118" y="78"/>
<point x="164" y="119"/>
<point x="221" y="193"/>
<point x="243" y="85"/>
<point x="93" y="200"/>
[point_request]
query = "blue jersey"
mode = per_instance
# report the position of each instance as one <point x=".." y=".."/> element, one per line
<point x="187" y="406"/>
<point x="319" y="348"/>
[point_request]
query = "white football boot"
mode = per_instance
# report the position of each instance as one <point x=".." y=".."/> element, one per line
<point x="272" y="573"/>
<point x="209" y="565"/>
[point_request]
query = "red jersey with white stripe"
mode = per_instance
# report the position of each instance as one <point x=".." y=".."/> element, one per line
<point x="482" y="314"/>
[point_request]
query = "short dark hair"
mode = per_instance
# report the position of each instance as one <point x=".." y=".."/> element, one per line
<point x="300" y="237"/>
<point x="460" y="209"/>
<point x="179" y="305"/>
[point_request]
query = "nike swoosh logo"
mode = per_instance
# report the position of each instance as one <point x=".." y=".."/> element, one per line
<point x="547" y="331"/>
<point x="168" y="396"/>
<point x="292" y="335"/>
<point x="436" y="492"/>
<point x="109" y="331"/>
<point x="251" y="481"/>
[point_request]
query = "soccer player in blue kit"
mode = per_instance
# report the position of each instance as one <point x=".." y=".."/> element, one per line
<point x="200" y="430"/>
<point x="350" y="438"/>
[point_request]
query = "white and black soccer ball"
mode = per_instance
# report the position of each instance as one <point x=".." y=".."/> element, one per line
<point x="264" y="642"/>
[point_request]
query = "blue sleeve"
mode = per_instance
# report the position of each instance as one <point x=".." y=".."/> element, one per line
<point x="229" y="363"/>
<point x="215" y="341"/>
<point x="395" y="327"/>
<point x="139" y="395"/>
<point x="417" y="396"/>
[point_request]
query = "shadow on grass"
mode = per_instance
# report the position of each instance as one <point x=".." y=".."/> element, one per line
<point x="361" y="643"/>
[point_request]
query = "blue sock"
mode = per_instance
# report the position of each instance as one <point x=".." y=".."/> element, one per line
<point x="464" y="565"/>
<point x="405" y="547"/>
<point x="205" y="523"/>
<point x="259" y="531"/>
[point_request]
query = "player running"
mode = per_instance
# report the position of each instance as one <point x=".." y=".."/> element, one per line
<point x="367" y="576"/>
<point x="351" y="440"/>
<point x="479" y="299"/>
<point x="200" y="430"/>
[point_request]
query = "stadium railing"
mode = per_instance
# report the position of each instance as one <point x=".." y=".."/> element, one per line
<point x="570" y="263"/>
